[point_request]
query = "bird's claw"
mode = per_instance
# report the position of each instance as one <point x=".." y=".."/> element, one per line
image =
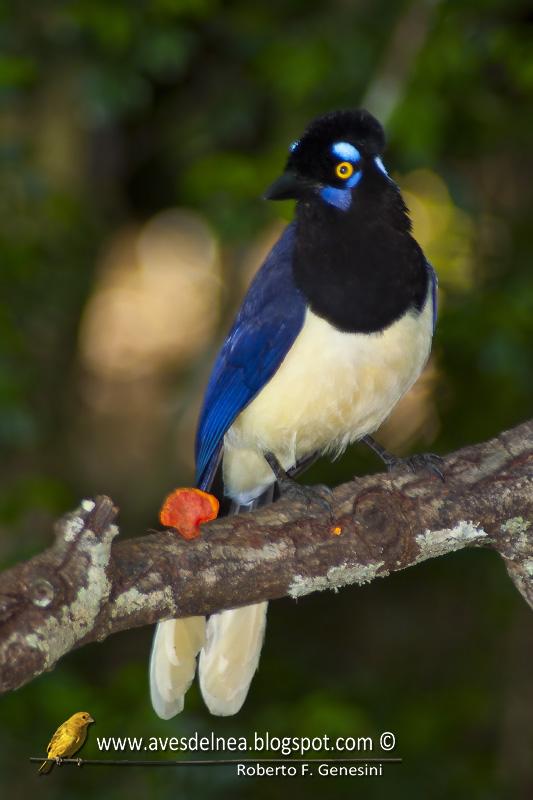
<point x="418" y="461"/>
<point x="79" y="762"/>
<point x="318" y="496"/>
<point x="59" y="760"/>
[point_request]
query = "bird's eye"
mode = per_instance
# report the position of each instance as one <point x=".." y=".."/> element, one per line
<point x="344" y="170"/>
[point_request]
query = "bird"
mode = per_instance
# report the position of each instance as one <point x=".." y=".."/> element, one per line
<point x="67" y="740"/>
<point x="335" y="328"/>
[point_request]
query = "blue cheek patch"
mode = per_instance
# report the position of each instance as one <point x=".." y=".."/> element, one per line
<point x="341" y="198"/>
<point x="354" y="180"/>
<point x="294" y="145"/>
<point x="346" y="151"/>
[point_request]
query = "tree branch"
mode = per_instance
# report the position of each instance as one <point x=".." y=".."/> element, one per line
<point x="84" y="588"/>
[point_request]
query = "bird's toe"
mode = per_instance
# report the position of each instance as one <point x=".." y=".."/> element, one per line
<point x="316" y="498"/>
<point x="420" y="461"/>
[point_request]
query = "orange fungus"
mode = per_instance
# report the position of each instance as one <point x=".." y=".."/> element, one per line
<point x="186" y="509"/>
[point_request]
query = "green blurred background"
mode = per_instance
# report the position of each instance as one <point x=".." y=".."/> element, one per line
<point x="137" y="138"/>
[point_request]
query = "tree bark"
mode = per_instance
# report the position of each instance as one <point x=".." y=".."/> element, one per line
<point x="85" y="587"/>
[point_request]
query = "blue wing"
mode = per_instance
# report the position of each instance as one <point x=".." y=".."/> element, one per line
<point x="266" y="326"/>
<point x="434" y="284"/>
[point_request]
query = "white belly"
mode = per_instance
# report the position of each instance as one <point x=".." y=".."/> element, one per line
<point x="331" y="389"/>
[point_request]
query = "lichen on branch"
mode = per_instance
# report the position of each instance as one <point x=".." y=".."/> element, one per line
<point x="86" y="586"/>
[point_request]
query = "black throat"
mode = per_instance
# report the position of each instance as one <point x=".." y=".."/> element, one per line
<point x="360" y="269"/>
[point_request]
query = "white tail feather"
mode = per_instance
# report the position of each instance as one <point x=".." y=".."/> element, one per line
<point x="173" y="662"/>
<point x="230" y="657"/>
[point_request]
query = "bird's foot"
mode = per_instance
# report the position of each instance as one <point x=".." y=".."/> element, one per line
<point x="416" y="462"/>
<point x="318" y="496"/>
<point x="79" y="762"/>
<point x="59" y="761"/>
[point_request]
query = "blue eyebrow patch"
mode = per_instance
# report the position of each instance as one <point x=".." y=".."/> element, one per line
<point x="346" y="151"/>
<point x="294" y="145"/>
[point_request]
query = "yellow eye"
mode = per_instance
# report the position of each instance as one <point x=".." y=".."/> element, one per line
<point x="344" y="170"/>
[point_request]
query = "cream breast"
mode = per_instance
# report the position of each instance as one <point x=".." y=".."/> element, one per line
<point x="331" y="389"/>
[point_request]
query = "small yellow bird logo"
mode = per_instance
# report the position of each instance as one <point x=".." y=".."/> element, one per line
<point x="67" y="740"/>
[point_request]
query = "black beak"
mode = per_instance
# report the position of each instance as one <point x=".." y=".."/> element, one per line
<point x="288" y="186"/>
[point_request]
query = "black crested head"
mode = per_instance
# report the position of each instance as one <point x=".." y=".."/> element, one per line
<point x="355" y="126"/>
<point x="332" y="152"/>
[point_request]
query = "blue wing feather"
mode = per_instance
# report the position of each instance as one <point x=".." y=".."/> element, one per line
<point x="434" y="281"/>
<point x="270" y="318"/>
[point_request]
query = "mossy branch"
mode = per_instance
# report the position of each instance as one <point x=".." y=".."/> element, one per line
<point x="86" y="587"/>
